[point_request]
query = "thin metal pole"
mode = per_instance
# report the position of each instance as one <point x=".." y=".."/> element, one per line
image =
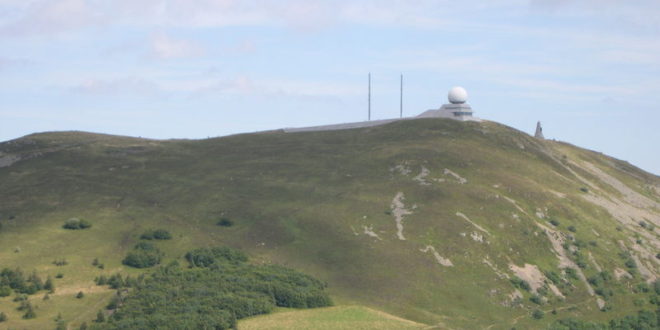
<point x="369" y="106"/>
<point x="401" y="99"/>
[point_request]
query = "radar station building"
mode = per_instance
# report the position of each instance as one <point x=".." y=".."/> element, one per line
<point x="457" y="108"/>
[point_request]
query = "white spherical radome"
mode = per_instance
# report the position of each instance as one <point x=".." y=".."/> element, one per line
<point x="457" y="95"/>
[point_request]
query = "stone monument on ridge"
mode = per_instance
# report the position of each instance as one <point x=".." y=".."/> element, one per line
<point x="539" y="131"/>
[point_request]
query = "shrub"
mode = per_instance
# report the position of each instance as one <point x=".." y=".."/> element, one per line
<point x="101" y="280"/>
<point x="3" y="317"/>
<point x="206" y="257"/>
<point x="520" y="283"/>
<point x="536" y="299"/>
<point x="553" y="277"/>
<point x="100" y="317"/>
<point x="49" y="285"/>
<point x="144" y="255"/>
<point x="224" y="222"/>
<point x="642" y="287"/>
<point x="630" y="263"/>
<point x="76" y="224"/>
<point x="584" y="189"/>
<point x="59" y="275"/>
<point x="158" y="234"/>
<point x="554" y="222"/>
<point x="29" y="312"/>
<point x="571" y="273"/>
<point x="80" y="295"/>
<point x="538" y="314"/>
<point x="572" y="228"/>
<point x="5" y="291"/>
<point x="141" y="259"/>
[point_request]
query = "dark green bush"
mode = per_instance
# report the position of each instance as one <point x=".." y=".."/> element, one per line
<point x="5" y="291"/>
<point x="143" y="255"/>
<point x="536" y="299"/>
<point x="158" y="234"/>
<point x="206" y="257"/>
<point x="19" y="283"/>
<point x="538" y="314"/>
<point x="571" y="273"/>
<point x="572" y="228"/>
<point x="520" y="283"/>
<point x="224" y="222"/>
<point x="76" y="224"/>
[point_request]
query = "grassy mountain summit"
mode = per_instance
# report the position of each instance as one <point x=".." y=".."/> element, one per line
<point x="454" y="224"/>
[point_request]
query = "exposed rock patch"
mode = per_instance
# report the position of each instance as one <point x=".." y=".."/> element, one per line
<point x="441" y="260"/>
<point x="369" y="231"/>
<point x="399" y="211"/>
<point x="512" y="201"/>
<point x="498" y="272"/>
<point x="421" y="177"/>
<point x="459" y="178"/>
<point x="402" y="169"/>
<point x="529" y="273"/>
<point x="472" y="222"/>
<point x="593" y="262"/>
<point x="477" y="237"/>
<point x="620" y="273"/>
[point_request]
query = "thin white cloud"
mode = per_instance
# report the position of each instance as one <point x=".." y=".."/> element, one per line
<point x="11" y="63"/>
<point x="118" y="86"/>
<point x="51" y="17"/>
<point x="163" y="46"/>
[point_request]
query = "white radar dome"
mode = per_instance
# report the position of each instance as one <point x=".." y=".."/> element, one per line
<point x="457" y="95"/>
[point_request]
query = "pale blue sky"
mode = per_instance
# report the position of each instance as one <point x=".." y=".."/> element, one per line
<point x="589" y="69"/>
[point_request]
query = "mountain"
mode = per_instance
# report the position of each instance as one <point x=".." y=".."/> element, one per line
<point x="446" y="223"/>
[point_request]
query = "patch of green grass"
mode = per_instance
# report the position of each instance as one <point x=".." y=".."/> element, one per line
<point x="338" y="317"/>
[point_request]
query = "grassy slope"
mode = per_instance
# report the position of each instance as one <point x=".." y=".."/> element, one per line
<point x="339" y="317"/>
<point x="303" y="200"/>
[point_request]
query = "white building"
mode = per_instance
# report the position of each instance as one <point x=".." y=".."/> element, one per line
<point x="456" y="109"/>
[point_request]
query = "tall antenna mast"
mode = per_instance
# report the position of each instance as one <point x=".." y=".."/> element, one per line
<point x="369" y="104"/>
<point x="401" y="99"/>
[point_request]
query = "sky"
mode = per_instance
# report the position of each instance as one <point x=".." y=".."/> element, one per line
<point x="589" y="70"/>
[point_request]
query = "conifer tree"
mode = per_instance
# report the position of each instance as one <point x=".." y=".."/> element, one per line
<point x="100" y="317"/>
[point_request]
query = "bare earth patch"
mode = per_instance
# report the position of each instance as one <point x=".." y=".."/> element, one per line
<point x="531" y="274"/>
<point x="460" y="179"/>
<point x="499" y="273"/>
<point x="620" y="273"/>
<point x="402" y="169"/>
<point x="421" y="177"/>
<point x="441" y="260"/>
<point x="472" y="222"/>
<point x="369" y="231"/>
<point x="512" y="201"/>
<point x="399" y="211"/>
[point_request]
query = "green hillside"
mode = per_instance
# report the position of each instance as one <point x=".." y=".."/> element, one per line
<point x="445" y="223"/>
